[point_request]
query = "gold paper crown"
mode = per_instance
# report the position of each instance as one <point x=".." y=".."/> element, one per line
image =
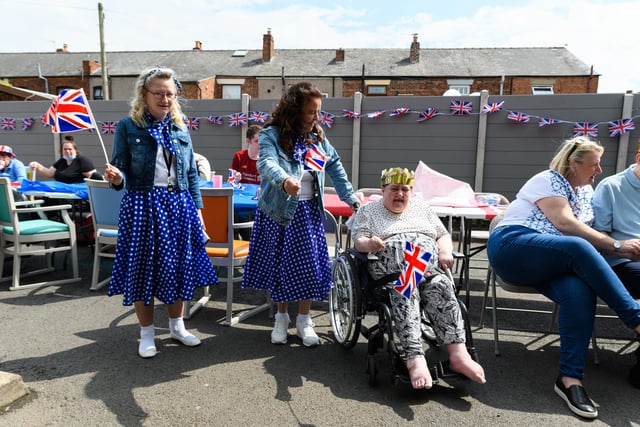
<point x="397" y="176"/>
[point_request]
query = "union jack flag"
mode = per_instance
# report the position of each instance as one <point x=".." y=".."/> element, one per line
<point x="27" y="123"/>
<point x="588" y="129"/>
<point x="216" y="120"/>
<point x="492" y="107"/>
<point x="109" y="127"/>
<point x="620" y="127"/>
<point x="315" y="159"/>
<point x="49" y="118"/>
<point x="258" y="116"/>
<point x="519" y="117"/>
<point x="461" y="107"/>
<point x="427" y="114"/>
<point x="399" y="111"/>
<point x="232" y="179"/>
<point x="547" y="121"/>
<point x="193" y="123"/>
<point x="351" y="114"/>
<point x="237" y="119"/>
<point x="8" y="123"/>
<point x="415" y="264"/>
<point x="376" y="114"/>
<point x="326" y="118"/>
<point x="70" y="112"/>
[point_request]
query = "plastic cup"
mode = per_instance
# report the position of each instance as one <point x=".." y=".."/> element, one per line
<point x="217" y="181"/>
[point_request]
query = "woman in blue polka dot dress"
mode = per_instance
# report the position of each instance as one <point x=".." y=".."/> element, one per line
<point x="288" y="251"/>
<point x="160" y="251"/>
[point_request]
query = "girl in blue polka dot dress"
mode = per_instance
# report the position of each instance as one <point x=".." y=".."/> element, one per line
<point x="288" y="250"/>
<point x="161" y="239"/>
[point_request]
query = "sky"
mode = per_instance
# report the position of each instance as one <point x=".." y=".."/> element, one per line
<point x="600" y="33"/>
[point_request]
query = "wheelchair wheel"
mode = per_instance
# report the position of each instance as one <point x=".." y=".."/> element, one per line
<point x="467" y="329"/>
<point x="344" y="302"/>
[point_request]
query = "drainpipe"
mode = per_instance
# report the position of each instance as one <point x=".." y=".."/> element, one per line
<point x="46" y="82"/>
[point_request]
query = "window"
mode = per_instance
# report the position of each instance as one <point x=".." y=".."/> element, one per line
<point x="462" y="86"/>
<point x="374" y="90"/>
<point x="542" y="90"/>
<point x="231" y="91"/>
<point x="464" y="90"/>
<point x="97" y="92"/>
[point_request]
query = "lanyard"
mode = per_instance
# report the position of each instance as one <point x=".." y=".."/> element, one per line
<point x="168" y="160"/>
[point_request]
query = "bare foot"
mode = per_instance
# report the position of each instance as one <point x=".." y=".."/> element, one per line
<point x="419" y="373"/>
<point x="461" y="362"/>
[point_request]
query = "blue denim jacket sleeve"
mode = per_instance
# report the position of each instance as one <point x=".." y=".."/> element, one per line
<point x="275" y="166"/>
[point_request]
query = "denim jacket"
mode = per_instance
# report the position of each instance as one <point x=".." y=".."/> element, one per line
<point x="275" y="166"/>
<point x="134" y="154"/>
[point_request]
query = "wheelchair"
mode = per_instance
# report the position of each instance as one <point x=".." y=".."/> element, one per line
<point x="356" y="294"/>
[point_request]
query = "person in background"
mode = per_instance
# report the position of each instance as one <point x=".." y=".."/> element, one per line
<point x="11" y="167"/>
<point x="546" y="241"/>
<point x="288" y="252"/>
<point x="382" y="228"/>
<point x="203" y="166"/>
<point x="161" y="240"/>
<point x="245" y="161"/>
<point x="71" y="168"/>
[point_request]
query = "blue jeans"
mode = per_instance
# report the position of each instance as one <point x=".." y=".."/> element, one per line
<point x="569" y="271"/>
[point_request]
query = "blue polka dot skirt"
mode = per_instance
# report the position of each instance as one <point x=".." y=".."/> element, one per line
<point x="160" y="251"/>
<point x="292" y="262"/>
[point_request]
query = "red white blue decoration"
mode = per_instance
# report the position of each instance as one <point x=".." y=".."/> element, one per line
<point x="492" y="107"/>
<point x="237" y="119"/>
<point x="258" y="116"/>
<point x="458" y="108"/>
<point x="8" y="123"/>
<point x="216" y="120"/>
<point x="620" y="127"/>
<point x="427" y="114"/>
<point x="315" y="159"/>
<point x="415" y="264"/>
<point x="588" y="129"/>
<point x="109" y="127"/>
<point x="326" y="118"/>
<point x="519" y="117"/>
<point x="69" y="112"/>
<point x="193" y="123"/>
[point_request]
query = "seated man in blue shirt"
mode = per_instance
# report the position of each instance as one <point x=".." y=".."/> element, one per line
<point x="11" y="167"/>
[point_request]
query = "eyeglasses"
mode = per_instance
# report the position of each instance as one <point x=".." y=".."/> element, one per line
<point x="160" y="95"/>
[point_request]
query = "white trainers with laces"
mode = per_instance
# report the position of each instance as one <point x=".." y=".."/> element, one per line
<point x="280" y="327"/>
<point x="307" y="334"/>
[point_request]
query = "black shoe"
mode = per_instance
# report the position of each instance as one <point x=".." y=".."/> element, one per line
<point x="576" y="399"/>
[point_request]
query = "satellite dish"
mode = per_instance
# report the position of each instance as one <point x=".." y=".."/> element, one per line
<point x="452" y="92"/>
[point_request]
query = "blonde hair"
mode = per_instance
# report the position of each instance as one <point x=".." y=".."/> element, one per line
<point x="573" y="149"/>
<point x="138" y="104"/>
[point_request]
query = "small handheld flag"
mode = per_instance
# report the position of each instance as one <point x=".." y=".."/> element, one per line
<point x="314" y="160"/>
<point x="415" y="264"/>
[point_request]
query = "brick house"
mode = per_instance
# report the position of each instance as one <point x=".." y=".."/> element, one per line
<point x="226" y="74"/>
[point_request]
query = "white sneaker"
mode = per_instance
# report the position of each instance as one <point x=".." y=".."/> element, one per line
<point x="279" y="333"/>
<point x="307" y="334"/>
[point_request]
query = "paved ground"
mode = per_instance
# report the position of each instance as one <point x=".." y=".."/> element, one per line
<point x="76" y="350"/>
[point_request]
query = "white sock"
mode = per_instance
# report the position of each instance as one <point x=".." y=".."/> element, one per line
<point x="303" y="318"/>
<point x="147" y="335"/>
<point x="280" y="316"/>
<point x="177" y="327"/>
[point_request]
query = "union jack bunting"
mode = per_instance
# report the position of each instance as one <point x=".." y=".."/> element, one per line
<point x="258" y="116"/>
<point x="427" y="114"/>
<point x="314" y="160"/>
<point x="547" y="121"/>
<point x="588" y="129"/>
<point x="415" y="264"/>
<point x="399" y="111"/>
<point x="237" y="119"/>
<point x="519" y="117"/>
<point x="70" y="112"/>
<point x="326" y="118"/>
<point x="620" y="127"/>
<point x="109" y="127"/>
<point x="27" y="123"/>
<point x="376" y="114"/>
<point x="193" y="123"/>
<point x="351" y="114"/>
<point x="8" y="123"/>
<point x="216" y="120"/>
<point x="492" y="107"/>
<point x="461" y="107"/>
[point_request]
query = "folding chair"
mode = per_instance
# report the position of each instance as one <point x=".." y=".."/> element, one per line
<point x="105" y="207"/>
<point x="34" y="237"/>
<point x="223" y="250"/>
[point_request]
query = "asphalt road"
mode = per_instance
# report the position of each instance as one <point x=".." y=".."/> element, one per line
<point x="77" y="351"/>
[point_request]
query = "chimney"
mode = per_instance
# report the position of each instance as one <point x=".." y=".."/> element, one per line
<point x="267" y="46"/>
<point x="414" y="53"/>
<point x="88" y="67"/>
<point x="340" y="55"/>
<point x="198" y="45"/>
<point x="64" y="49"/>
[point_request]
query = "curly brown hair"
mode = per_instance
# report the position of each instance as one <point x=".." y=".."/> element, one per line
<point x="288" y="115"/>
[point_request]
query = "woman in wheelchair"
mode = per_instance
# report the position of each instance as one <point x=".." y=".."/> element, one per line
<point x="381" y="228"/>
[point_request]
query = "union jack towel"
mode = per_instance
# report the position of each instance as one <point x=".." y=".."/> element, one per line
<point x="315" y="159"/>
<point x="588" y="129"/>
<point x="620" y="127"/>
<point x="415" y="264"/>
